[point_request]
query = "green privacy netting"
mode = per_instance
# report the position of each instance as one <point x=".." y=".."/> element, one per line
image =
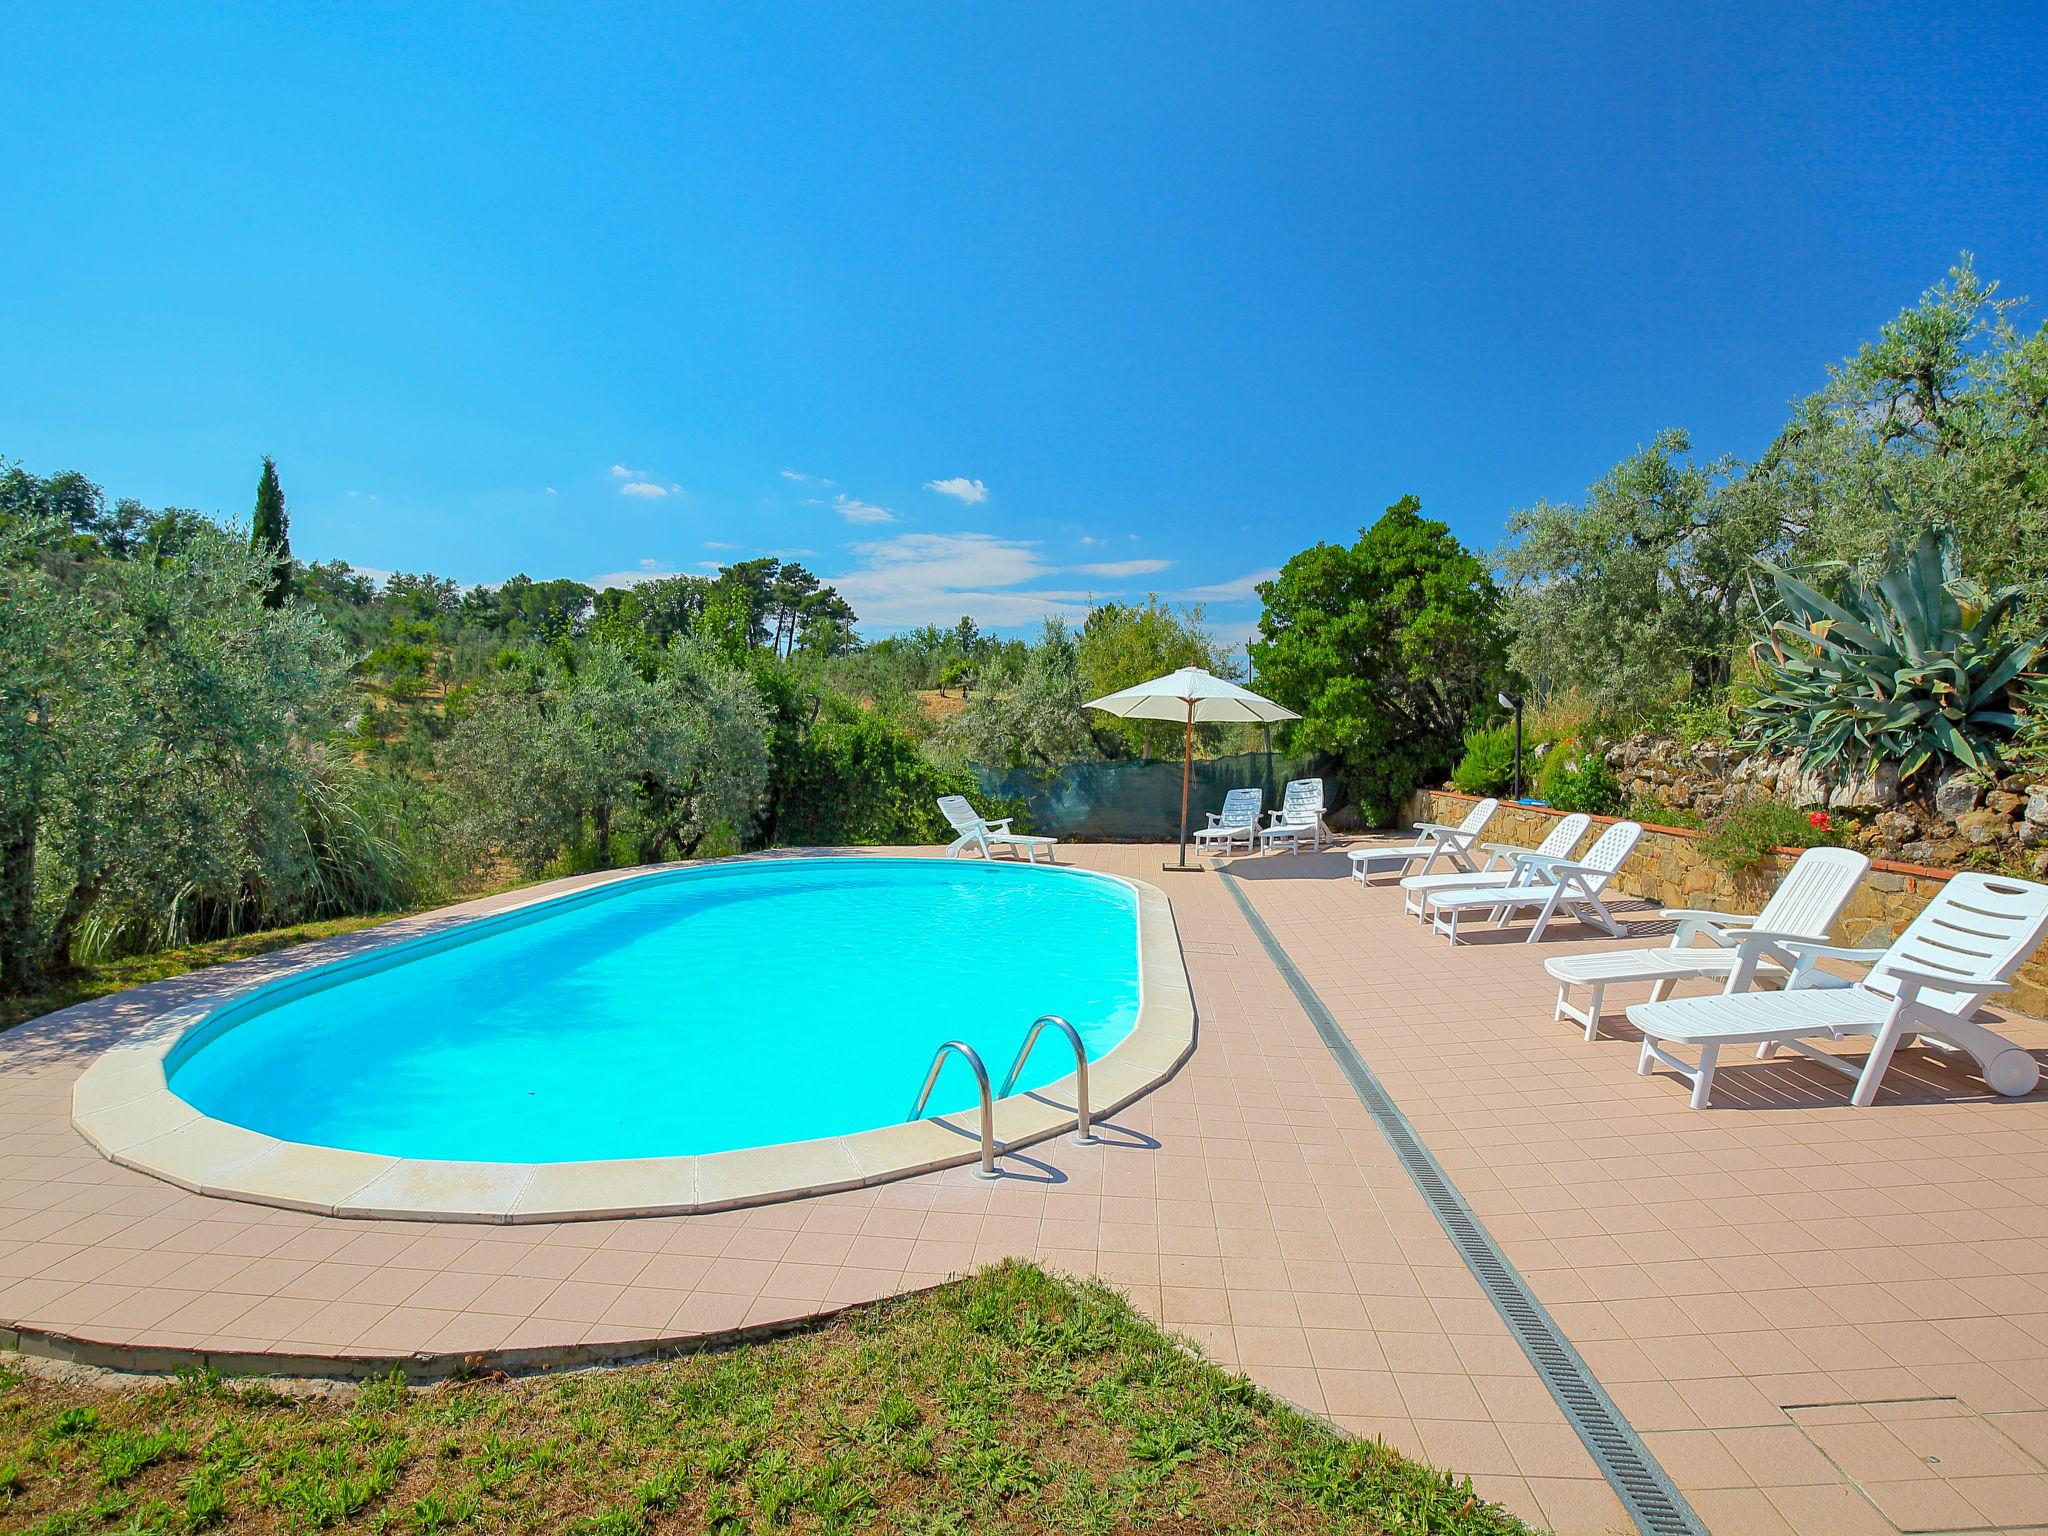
<point x="1136" y="799"/>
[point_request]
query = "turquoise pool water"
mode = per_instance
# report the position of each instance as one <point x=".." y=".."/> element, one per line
<point x="689" y="1011"/>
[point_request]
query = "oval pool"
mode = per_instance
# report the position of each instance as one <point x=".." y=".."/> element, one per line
<point x="678" y="1013"/>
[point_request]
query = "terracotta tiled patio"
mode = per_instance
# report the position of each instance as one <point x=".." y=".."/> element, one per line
<point x="1818" y="1319"/>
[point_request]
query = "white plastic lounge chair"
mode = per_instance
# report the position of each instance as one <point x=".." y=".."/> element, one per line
<point x="1506" y="864"/>
<point x="1565" y="885"/>
<point x="1300" y="816"/>
<point x="1433" y="840"/>
<point x="1964" y="945"/>
<point x="1804" y="906"/>
<point x="989" y="835"/>
<point x="1237" y="822"/>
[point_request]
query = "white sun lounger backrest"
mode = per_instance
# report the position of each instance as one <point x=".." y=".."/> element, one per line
<point x="1810" y="897"/>
<point x="1240" y="809"/>
<point x="1476" y="819"/>
<point x="1612" y="846"/>
<point x="1303" y="804"/>
<point x="957" y="811"/>
<point x="1978" y="928"/>
<point x="1564" y="837"/>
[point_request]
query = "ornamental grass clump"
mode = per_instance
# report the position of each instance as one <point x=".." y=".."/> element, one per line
<point x="1919" y="667"/>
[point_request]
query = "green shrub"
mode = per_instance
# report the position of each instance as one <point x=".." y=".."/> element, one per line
<point x="1743" y="837"/>
<point x="1488" y="766"/>
<point x="1588" y="785"/>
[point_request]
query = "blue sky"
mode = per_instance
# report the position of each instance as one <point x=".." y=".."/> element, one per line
<point x="987" y="309"/>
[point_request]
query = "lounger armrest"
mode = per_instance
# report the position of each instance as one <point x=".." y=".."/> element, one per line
<point x="1818" y="949"/>
<point x="1002" y="825"/>
<point x="1708" y="915"/>
<point x="1940" y="981"/>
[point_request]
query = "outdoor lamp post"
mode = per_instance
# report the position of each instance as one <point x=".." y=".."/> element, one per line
<point x="1510" y="701"/>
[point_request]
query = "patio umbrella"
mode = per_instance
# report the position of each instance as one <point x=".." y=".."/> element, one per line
<point x="1190" y="694"/>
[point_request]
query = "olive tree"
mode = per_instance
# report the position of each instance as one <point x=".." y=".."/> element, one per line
<point x="159" y="738"/>
<point x="584" y="747"/>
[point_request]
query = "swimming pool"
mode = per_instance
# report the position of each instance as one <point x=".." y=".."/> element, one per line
<point x="697" y="1011"/>
<point x="672" y="1027"/>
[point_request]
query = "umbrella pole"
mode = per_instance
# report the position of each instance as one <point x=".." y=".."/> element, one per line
<point x="1187" y="758"/>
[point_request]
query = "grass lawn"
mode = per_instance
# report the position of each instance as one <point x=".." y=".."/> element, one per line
<point x="118" y="975"/>
<point x="1009" y="1401"/>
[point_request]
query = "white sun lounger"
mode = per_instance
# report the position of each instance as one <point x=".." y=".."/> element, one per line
<point x="1964" y="945"/>
<point x="1434" y="840"/>
<point x="1506" y="864"/>
<point x="1237" y="822"/>
<point x="1563" y="885"/>
<point x="1804" y="906"/>
<point x="989" y="835"/>
<point x="1300" y="816"/>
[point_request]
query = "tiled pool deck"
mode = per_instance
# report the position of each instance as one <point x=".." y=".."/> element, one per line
<point x="1818" y="1319"/>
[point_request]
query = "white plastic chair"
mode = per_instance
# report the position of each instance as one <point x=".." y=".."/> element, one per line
<point x="1964" y="945"/>
<point x="1300" y="816"/>
<point x="1804" y="906"/>
<point x="1434" y="840"/>
<point x="1556" y="885"/>
<point x="989" y="835"/>
<point x="1237" y="822"/>
<point x="1506" y="864"/>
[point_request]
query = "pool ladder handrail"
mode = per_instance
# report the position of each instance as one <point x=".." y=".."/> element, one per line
<point x="1082" y="1133"/>
<point x="988" y="1169"/>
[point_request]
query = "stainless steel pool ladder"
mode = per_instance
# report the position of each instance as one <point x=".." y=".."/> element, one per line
<point x="1082" y="1133"/>
<point x="988" y="1169"/>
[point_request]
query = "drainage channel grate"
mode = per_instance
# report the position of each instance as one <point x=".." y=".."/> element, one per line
<point x="1657" y="1507"/>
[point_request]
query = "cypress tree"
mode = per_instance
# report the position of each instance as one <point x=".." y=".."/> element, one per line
<point x="272" y="532"/>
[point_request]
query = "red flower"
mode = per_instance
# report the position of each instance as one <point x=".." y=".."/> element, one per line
<point x="1819" y="819"/>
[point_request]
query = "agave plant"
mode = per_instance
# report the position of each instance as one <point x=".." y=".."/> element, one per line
<point x="1914" y="668"/>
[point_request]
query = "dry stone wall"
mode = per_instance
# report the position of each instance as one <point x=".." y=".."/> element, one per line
<point x="1961" y="820"/>
<point x="1669" y="868"/>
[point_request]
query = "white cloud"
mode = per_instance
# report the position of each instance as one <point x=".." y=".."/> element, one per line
<point x="549" y="489"/>
<point x="620" y="472"/>
<point x="645" y="488"/>
<point x="933" y="578"/>
<point x="1089" y="541"/>
<point x="632" y="578"/>
<point x="1116" y="568"/>
<point x="791" y="474"/>
<point x="719" y="544"/>
<point x="960" y="488"/>
<point x="854" y="510"/>
<point x="803" y="479"/>
<point x="1241" y="590"/>
<point x="650" y="565"/>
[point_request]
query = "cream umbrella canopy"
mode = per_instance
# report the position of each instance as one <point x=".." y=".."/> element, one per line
<point x="1190" y="695"/>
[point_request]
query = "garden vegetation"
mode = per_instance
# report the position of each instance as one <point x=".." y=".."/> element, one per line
<point x="1011" y="1401"/>
<point x="202" y="736"/>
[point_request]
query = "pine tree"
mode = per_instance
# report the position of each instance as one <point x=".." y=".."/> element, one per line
<point x="272" y="531"/>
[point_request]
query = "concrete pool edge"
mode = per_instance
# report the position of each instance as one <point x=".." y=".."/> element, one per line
<point x="123" y="1106"/>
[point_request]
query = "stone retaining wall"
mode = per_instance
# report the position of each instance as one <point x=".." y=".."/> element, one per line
<point x="1954" y="820"/>
<point x="1668" y="867"/>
